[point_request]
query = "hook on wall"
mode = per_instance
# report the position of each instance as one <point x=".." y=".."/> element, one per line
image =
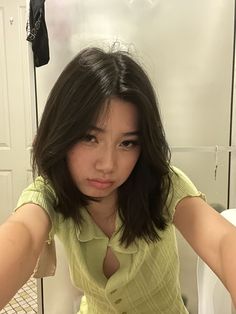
<point x="216" y="161"/>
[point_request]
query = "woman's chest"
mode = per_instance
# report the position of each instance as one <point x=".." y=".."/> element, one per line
<point x="110" y="263"/>
<point x="96" y="259"/>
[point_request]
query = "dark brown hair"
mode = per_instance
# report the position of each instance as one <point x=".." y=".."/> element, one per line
<point x="87" y="83"/>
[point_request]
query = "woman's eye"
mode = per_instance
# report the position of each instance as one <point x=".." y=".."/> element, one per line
<point x="89" y="138"/>
<point x="129" y="144"/>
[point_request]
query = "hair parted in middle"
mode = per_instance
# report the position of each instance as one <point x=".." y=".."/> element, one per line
<point x="81" y="92"/>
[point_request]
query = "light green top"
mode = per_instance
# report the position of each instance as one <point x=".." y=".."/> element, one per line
<point x="148" y="278"/>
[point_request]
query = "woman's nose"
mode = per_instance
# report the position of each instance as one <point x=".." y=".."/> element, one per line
<point x="106" y="159"/>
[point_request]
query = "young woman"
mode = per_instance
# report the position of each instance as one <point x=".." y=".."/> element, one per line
<point x="107" y="190"/>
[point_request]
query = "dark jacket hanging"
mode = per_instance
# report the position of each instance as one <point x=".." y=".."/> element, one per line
<point x="37" y="32"/>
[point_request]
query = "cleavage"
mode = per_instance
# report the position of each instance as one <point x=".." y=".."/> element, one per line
<point x="110" y="263"/>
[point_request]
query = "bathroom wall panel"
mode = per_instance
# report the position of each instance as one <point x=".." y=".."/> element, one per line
<point x="186" y="47"/>
<point x="200" y="167"/>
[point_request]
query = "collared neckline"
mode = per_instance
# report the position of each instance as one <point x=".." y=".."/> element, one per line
<point x="89" y="231"/>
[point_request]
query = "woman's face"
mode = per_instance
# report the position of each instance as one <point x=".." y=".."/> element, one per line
<point x="105" y="157"/>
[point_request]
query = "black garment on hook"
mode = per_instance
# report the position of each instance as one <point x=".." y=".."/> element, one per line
<point x="37" y="32"/>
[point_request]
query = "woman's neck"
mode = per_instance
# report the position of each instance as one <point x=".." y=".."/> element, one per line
<point x="104" y="209"/>
<point x="103" y="213"/>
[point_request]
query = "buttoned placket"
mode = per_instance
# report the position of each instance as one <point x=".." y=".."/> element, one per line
<point x="119" y="279"/>
<point x="113" y="286"/>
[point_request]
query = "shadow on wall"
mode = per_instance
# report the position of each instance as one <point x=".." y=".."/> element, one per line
<point x="218" y="207"/>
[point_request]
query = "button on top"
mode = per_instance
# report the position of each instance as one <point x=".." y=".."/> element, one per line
<point x="118" y="301"/>
<point x="113" y="291"/>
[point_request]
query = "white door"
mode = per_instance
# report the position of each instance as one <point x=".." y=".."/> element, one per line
<point x="17" y="115"/>
<point x="17" y="120"/>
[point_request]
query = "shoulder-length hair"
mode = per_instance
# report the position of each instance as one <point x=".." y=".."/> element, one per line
<point x="85" y="86"/>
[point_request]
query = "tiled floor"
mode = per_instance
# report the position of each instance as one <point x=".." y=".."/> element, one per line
<point x="25" y="301"/>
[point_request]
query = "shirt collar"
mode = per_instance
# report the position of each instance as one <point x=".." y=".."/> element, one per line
<point x="89" y="231"/>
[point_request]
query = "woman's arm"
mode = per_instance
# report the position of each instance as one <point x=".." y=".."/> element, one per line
<point x="21" y="240"/>
<point x="211" y="236"/>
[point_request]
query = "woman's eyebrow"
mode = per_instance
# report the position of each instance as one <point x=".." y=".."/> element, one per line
<point x="96" y="129"/>
<point x="136" y="133"/>
<point x="101" y="130"/>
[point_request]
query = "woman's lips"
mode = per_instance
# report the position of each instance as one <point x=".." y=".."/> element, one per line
<point x="100" y="184"/>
